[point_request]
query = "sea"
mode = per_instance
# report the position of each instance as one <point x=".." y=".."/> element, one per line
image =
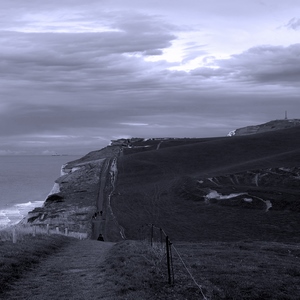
<point x="25" y="183"/>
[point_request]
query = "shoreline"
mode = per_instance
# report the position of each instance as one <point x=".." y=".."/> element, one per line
<point x="13" y="215"/>
<point x="26" y="182"/>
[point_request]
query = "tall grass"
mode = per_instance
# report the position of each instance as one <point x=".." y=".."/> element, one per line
<point x="244" y="270"/>
<point x="135" y="270"/>
<point x="21" y="232"/>
<point x="17" y="258"/>
<point x="241" y="270"/>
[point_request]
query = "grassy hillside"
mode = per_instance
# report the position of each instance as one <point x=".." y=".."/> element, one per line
<point x="148" y="184"/>
<point x="17" y="259"/>
<point x="234" y="249"/>
<point x="216" y="156"/>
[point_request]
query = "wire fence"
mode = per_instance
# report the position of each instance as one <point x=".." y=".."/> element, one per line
<point x="17" y="233"/>
<point x="158" y="239"/>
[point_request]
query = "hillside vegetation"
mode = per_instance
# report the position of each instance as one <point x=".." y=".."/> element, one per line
<point x="160" y="184"/>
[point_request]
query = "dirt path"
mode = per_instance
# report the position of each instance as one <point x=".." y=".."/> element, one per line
<point x="73" y="273"/>
<point x="98" y="223"/>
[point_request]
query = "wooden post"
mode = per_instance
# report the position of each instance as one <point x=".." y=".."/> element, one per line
<point x="57" y="229"/>
<point x="151" y="241"/>
<point x="168" y="259"/>
<point x="171" y="259"/>
<point x="48" y="229"/>
<point x="14" y="234"/>
<point x="66" y="231"/>
<point x="161" y="236"/>
<point x="33" y="230"/>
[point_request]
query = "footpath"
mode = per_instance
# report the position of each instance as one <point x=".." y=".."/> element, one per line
<point x="73" y="273"/>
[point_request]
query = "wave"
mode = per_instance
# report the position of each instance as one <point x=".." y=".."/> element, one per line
<point x="14" y="214"/>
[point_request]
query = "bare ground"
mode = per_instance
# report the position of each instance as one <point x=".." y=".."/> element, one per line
<point x="73" y="273"/>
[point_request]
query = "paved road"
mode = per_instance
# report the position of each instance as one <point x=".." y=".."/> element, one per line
<point x="71" y="274"/>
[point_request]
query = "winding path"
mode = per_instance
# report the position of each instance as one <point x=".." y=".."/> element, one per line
<point x="74" y="273"/>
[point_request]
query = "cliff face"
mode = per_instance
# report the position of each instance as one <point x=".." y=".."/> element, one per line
<point x="269" y="126"/>
<point x="73" y="200"/>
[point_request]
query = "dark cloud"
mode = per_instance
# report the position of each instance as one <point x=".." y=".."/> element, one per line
<point x="275" y="65"/>
<point x="267" y="65"/>
<point x="73" y="77"/>
<point x="294" y="23"/>
<point x="84" y="60"/>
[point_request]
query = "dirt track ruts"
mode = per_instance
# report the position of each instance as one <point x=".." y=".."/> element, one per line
<point x="73" y="273"/>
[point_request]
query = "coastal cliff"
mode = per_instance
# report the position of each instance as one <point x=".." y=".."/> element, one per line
<point x="72" y="203"/>
<point x="250" y="174"/>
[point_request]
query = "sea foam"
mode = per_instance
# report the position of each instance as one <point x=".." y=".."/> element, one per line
<point x="14" y="214"/>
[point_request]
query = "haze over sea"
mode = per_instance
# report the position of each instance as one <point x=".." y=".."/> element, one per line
<point x="25" y="182"/>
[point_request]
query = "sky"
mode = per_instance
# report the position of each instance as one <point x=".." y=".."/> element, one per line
<point x="75" y="74"/>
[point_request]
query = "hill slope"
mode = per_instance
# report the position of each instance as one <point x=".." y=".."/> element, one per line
<point x="178" y="186"/>
<point x="269" y="126"/>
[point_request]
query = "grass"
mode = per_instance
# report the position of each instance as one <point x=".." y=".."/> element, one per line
<point x="133" y="270"/>
<point x="245" y="253"/>
<point x="211" y="157"/>
<point x="188" y="220"/>
<point x="240" y="270"/>
<point x="244" y="270"/>
<point x="149" y="182"/>
<point x="130" y="270"/>
<point x="16" y="259"/>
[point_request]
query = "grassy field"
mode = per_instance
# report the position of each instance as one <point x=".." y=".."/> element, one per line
<point x="134" y="270"/>
<point x="243" y="270"/>
<point x="148" y="185"/>
<point x="236" y="251"/>
<point x="18" y="258"/>
<point x="212" y="270"/>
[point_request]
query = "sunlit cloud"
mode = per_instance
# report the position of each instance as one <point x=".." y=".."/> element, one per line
<point x="134" y="124"/>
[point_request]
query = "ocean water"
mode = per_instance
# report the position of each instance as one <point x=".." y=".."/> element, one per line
<point x="25" y="182"/>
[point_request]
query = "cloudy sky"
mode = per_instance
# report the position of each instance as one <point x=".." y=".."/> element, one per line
<point x="75" y="74"/>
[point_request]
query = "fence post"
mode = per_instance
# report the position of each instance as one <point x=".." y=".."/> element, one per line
<point x="33" y="230"/>
<point x="161" y="236"/>
<point x="151" y="241"/>
<point x="57" y="229"/>
<point x="48" y="229"/>
<point x="66" y="231"/>
<point x="168" y="259"/>
<point x="14" y="235"/>
<point x="172" y="266"/>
